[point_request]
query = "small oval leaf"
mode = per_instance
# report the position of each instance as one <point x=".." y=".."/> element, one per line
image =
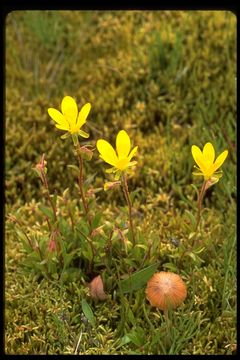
<point x="138" y="279"/>
<point x="88" y="312"/>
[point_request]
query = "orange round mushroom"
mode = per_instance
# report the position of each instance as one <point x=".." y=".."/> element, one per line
<point x="166" y="290"/>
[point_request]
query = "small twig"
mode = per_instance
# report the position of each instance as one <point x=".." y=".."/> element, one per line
<point x="78" y="343"/>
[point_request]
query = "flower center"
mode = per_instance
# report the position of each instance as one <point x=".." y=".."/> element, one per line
<point x="73" y="128"/>
<point x="122" y="164"/>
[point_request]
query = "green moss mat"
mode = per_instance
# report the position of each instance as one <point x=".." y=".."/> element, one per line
<point x="169" y="79"/>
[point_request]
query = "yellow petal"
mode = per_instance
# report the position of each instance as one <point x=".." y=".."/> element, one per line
<point x="63" y="127"/>
<point x="219" y="161"/>
<point x="198" y="157"/>
<point x="83" y="114"/>
<point x="208" y="154"/>
<point x="107" y="152"/>
<point x="57" y="116"/>
<point x="123" y="144"/>
<point x="132" y="153"/>
<point x="69" y="109"/>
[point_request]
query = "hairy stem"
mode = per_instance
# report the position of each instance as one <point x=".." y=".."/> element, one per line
<point x="80" y="182"/>
<point x="127" y="197"/>
<point x="199" y="203"/>
<point x="85" y="205"/>
<point x="51" y="202"/>
<point x="45" y="184"/>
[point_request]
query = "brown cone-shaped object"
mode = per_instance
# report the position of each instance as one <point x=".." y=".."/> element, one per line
<point x="96" y="288"/>
<point x="166" y="290"/>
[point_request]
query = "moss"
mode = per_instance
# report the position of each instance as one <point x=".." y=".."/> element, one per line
<point x="169" y="79"/>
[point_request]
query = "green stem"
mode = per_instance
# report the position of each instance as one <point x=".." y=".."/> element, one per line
<point x="127" y="196"/>
<point x="168" y="335"/>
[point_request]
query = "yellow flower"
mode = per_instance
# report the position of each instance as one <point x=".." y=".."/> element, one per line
<point x="205" y="160"/>
<point x="120" y="159"/>
<point x="69" y="119"/>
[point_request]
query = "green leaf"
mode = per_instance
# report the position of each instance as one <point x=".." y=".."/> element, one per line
<point x="199" y="250"/>
<point x="192" y="255"/>
<point x="88" y="312"/>
<point x="83" y="227"/>
<point x="138" y="279"/>
<point x="74" y="167"/>
<point x="170" y="266"/>
<point x="67" y="258"/>
<point x="131" y="317"/>
<point x="25" y="242"/>
<point x="52" y="267"/>
<point x="75" y="139"/>
<point x="124" y="340"/>
<point x="87" y="253"/>
<point x="27" y="247"/>
<point x="37" y="172"/>
<point x="65" y="136"/>
<point x="46" y="211"/>
<point x="137" y="337"/>
<point x="195" y="257"/>
<point x="96" y="220"/>
<point x="64" y="226"/>
<point x="191" y="217"/>
<point x="195" y="188"/>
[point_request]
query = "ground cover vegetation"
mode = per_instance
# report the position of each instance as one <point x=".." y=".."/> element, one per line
<point x="120" y="182"/>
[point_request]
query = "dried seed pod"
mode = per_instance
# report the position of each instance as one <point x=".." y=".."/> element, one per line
<point x="96" y="288"/>
<point x="166" y="290"/>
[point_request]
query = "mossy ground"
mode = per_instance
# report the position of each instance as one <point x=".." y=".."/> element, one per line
<point x="169" y="79"/>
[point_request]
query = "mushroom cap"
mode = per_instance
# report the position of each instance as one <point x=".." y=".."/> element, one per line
<point x="96" y="288"/>
<point x="166" y="290"/>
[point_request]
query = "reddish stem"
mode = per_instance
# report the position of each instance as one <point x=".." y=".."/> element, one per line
<point x="199" y="203"/>
<point x="127" y="196"/>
